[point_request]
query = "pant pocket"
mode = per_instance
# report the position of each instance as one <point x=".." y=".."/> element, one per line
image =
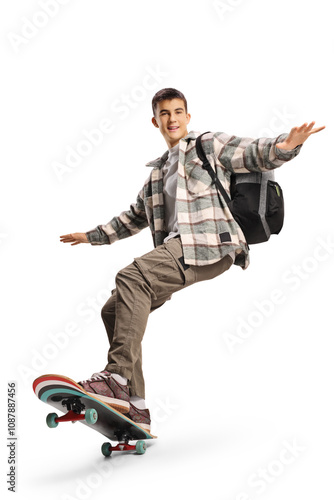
<point x="161" y="272"/>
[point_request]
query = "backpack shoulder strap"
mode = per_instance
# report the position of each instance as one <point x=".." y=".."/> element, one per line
<point x="206" y="165"/>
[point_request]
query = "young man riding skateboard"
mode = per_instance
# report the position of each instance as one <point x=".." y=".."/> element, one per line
<point x="194" y="235"/>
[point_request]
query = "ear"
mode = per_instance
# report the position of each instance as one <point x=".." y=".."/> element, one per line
<point x="188" y="117"/>
<point x="155" y="123"/>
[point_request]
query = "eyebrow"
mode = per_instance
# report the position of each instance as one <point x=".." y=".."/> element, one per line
<point x="177" y="109"/>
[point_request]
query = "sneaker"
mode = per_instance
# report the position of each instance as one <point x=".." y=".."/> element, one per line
<point x="140" y="417"/>
<point x="104" y="387"/>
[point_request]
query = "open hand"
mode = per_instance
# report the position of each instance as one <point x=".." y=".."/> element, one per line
<point x="298" y="135"/>
<point x="74" y="238"/>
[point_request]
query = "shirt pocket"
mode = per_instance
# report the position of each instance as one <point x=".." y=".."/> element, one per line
<point x="197" y="178"/>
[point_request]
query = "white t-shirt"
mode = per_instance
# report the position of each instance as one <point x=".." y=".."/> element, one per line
<point x="170" y="184"/>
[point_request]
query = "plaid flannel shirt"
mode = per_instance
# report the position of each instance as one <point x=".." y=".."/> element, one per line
<point x="207" y="229"/>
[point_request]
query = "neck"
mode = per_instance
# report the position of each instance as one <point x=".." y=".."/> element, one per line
<point x="172" y="143"/>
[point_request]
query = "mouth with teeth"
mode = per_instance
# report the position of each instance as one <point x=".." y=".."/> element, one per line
<point x="173" y="129"/>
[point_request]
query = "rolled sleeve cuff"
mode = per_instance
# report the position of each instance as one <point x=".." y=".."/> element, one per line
<point x="97" y="237"/>
<point x="285" y="154"/>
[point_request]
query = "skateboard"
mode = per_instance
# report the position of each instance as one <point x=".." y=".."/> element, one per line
<point x="68" y="396"/>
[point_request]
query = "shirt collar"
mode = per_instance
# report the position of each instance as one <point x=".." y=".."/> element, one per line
<point x="162" y="159"/>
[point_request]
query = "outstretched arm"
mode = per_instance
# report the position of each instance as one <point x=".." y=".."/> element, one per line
<point x="241" y="155"/>
<point x="127" y="224"/>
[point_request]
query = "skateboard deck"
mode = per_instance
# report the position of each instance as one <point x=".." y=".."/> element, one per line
<point x="67" y="396"/>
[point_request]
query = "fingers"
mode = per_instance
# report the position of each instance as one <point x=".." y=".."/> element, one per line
<point x="318" y="129"/>
<point x="74" y="238"/>
<point x="305" y="127"/>
<point x="67" y="238"/>
<point x="308" y="128"/>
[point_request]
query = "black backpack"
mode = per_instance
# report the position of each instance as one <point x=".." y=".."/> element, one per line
<point x="256" y="202"/>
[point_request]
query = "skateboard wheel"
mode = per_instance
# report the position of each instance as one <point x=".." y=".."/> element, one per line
<point x="140" y="447"/>
<point x="51" y="420"/>
<point x="91" y="416"/>
<point x="106" y="449"/>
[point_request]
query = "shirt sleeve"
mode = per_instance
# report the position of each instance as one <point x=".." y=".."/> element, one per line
<point x="127" y="224"/>
<point x="242" y="155"/>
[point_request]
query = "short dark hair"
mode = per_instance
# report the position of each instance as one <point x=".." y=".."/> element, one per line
<point x="169" y="94"/>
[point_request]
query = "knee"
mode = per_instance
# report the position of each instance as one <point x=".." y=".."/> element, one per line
<point x="104" y="312"/>
<point x="127" y="275"/>
<point x="123" y="274"/>
<point x="109" y="307"/>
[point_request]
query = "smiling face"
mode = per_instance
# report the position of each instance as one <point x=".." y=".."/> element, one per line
<point x="172" y="120"/>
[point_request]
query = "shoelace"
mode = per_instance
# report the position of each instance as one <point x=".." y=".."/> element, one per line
<point x="96" y="376"/>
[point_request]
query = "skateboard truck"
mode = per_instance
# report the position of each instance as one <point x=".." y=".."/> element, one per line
<point x="74" y="413"/>
<point x="139" y="447"/>
<point x="123" y="445"/>
<point x="73" y="404"/>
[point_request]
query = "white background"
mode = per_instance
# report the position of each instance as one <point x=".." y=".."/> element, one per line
<point x="249" y="68"/>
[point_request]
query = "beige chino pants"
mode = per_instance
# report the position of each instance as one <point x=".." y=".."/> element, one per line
<point x="142" y="287"/>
